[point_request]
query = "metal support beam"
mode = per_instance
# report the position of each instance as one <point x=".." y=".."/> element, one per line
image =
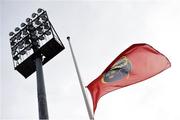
<point x="41" y="93"/>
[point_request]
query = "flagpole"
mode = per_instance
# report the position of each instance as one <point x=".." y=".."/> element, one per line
<point x="91" y="117"/>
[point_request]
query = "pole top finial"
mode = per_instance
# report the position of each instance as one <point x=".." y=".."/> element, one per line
<point x="68" y="38"/>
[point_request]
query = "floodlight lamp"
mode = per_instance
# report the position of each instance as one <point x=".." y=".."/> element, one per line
<point x="23" y="25"/>
<point x="34" y="43"/>
<point x="16" y="57"/>
<point x="11" y="33"/>
<point x="31" y="27"/>
<point x="34" y="15"/>
<point x="14" y="48"/>
<point x="27" y="41"/>
<point x="21" y="45"/>
<point x="41" y="37"/>
<point x="17" y="29"/>
<point x="25" y="32"/>
<point x="43" y="17"/>
<point x="34" y="37"/>
<point x="40" y="10"/>
<point x="18" y="37"/>
<point x="48" y="33"/>
<point x="40" y="30"/>
<point x="23" y="52"/>
<point x="14" y="52"/>
<point x="46" y="26"/>
<point x="37" y="22"/>
<point x="33" y="33"/>
<point x="28" y="20"/>
<point x="29" y="47"/>
<point x="13" y="43"/>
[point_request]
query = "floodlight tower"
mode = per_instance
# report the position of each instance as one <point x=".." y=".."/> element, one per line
<point x="32" y="45"/>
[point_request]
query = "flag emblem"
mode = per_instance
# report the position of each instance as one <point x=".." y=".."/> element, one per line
<point x="118" y="71"/>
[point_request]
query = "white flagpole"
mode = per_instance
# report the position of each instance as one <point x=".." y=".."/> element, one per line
<point x="91" y="117"/>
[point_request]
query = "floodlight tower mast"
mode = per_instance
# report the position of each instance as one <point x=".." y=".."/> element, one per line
<point x="42" y="102"/>
<point x="33" y="46"/>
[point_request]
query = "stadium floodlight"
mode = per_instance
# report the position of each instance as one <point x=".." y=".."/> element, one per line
<point x="33" y="44"/>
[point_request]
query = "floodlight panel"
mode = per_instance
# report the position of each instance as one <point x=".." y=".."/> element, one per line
<point x="39" y="32"/>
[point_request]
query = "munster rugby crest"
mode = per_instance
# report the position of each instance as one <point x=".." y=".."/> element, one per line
<point x="118" y="71"/>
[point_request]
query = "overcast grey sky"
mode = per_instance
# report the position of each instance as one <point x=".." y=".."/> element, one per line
<point x="99" y="32"/>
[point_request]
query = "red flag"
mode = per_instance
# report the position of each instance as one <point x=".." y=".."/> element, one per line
<point x="137" y="63"/>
